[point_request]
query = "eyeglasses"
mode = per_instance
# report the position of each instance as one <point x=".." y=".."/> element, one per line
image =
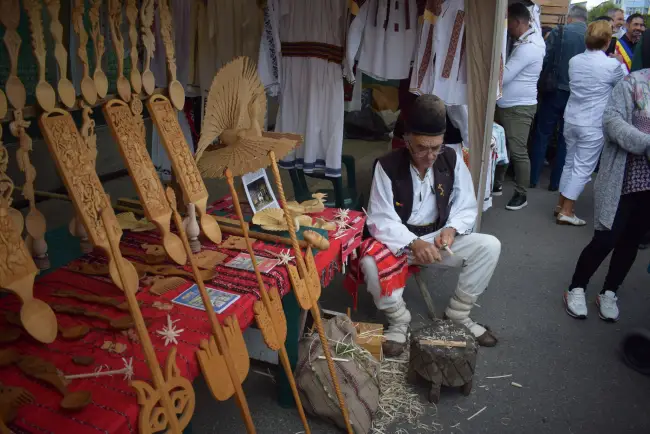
<point x="434" y="152"/>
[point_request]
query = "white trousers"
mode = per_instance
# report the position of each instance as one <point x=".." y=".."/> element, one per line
<point x="459" y="117"/>
<point x="583" y="146"/>
<point x="478" y="255"/>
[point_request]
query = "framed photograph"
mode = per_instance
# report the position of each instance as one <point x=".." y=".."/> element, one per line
<point x="258" y="191"/>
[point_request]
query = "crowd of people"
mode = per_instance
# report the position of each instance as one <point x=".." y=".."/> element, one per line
<point x="582" y="82"/>
<point x="585" y="84"/>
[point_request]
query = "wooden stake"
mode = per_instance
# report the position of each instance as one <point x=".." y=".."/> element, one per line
<point x="235" y="376"/>
<point x="265" y="320"/>
<point x="309" y="295"/>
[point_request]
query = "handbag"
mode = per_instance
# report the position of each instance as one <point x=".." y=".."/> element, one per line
<point x="548" y="78"/>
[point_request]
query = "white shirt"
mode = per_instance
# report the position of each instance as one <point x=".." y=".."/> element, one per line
<point x="592" y="76"/>
<point x="386" y="226"/>
<point x="522" y="71"/>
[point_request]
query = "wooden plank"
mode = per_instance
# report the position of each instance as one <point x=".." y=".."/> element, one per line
<point x="544" y="3"/>
<point x="555" y="10"/>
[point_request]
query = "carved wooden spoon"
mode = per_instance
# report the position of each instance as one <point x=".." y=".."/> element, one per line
<point x="88" y="89"/>
<point x="35" y="315"/>
<point x="45" y="94"/>
<point x="10" y="17"/>
<point x="101" y="82"/>
<point x="90" y="298"/>
<point x="132" y="18"/>
<point x="176" y="90"/>
<point x="41" y="370"/>
<point x="115" y="20"/>
<point x="67" y="93"/>
<point x="149" y="42"/>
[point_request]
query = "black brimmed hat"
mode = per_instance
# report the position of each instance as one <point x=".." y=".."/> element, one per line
<point x="427" y="116"/>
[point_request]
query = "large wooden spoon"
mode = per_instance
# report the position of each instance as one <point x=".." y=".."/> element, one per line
<point x="132" y="18"/>
<point x="115" y="20"/>
<point x="67" y="93"/>
<point x="45" y="94"/>
<point x="88" y="89"/>
<point x="10" y="17"/>
<point x="176" y="90"/>
<point x="101" y="82"/>
<point x="45" y="371"/>
<point x="146" y="18"/>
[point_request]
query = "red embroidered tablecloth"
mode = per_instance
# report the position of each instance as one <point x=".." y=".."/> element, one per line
<point x="114" y="408"/>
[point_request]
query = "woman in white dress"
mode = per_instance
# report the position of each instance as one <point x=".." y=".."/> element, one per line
<point x="592" y="76"/>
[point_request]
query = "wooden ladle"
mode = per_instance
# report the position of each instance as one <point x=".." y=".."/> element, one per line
<point x="176" y="90"/>
<point x="101" y="82"/>
<point x="67" y="93"/>
<point x="45" y="94"/>
<point x="10" y="17"/>
<point x="122" y="323"/>
<point x="45" y="371"/>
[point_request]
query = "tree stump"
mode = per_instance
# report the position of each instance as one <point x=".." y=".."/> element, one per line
<point x="444" y="354"/>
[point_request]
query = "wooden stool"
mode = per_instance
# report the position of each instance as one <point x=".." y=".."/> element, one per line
<point x="443" y="354"/>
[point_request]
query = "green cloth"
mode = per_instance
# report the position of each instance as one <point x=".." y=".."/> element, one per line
<point x="637" y="59"/>
<point x="516" y="122"/>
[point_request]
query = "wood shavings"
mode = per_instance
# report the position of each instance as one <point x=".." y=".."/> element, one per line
<point x="336" y="359"/>
<point x="132" y="335"/>
<point x="162" y="306"/>
<point x="399" y="402"/>
<point x="113" y="347"/>
<point x="516" y="384"/>
<point x="477" y="413"/>
<point x="455" y="426"/>
<point x="460" y="409"/>
<point x="500" y="376"/>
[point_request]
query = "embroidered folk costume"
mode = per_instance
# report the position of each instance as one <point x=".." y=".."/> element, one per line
<point x="404" y="207"/>
<point x="312" y="37"/>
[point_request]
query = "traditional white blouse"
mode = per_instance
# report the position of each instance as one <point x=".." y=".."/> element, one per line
<point x="386" y="226"/>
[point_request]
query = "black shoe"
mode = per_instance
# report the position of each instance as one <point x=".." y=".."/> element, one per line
<point x="517" y="202"/>
<point x="497" y="190"/>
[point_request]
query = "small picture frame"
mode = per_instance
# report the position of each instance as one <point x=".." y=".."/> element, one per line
<point x="258" y="191"/>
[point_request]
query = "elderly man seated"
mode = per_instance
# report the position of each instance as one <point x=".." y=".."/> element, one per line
<point x="422" y="208"/>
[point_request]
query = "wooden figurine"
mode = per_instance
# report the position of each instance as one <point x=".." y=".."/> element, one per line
<point x="192" y="228"/>
<point x="67" y="93"/>
<point x="88" y="89"/>
<point x="99" y="77"/>
<point x="130" y="137"/>
<point x="176" y="91"/>
<point x="166" y="120"/>
<point x="45" y="95"/>
<point x="443" y="354"/>
<point x="115" y="22"/>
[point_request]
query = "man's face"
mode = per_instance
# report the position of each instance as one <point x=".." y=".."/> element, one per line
<point x="619" y="20"/>
<point x="424" y="150"/>
<point x="514" y="26"/>
<point x="635" y="28"/>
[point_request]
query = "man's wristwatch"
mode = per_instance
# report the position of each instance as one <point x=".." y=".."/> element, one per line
<point x="410" y="245"/>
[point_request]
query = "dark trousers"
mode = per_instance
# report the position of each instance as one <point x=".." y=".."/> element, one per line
<point x="631" y="223"/>
<point x="550" y="114"/>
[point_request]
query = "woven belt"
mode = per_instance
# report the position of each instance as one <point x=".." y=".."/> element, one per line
<point x="421" y="231"/>
<point x="329" y="52"/>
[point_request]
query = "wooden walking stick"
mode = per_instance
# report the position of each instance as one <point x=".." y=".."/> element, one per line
<point x="169" y="404"/>
<point x="269" y="312"/>
<point x="306" y="286"/>
<point x="230" y="349"/>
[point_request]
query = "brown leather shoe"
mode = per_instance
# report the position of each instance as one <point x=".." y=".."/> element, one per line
<point x="487" y="339"/>
<point x="392" y="348"/>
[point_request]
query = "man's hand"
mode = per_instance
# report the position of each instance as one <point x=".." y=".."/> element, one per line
<point x="617" y="57"/>
<point x="446" y="238"/>
<point x="425" y="253"/>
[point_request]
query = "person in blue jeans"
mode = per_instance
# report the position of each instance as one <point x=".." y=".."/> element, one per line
<point x="561" y="46"/>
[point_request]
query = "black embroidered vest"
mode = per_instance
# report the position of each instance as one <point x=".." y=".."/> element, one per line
<point x="397" y="167"/>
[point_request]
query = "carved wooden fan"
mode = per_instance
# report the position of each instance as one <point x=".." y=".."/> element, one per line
<point x="234" y="115"/>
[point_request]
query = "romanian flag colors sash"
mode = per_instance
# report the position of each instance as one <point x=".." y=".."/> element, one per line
<point x="626" y="52"/>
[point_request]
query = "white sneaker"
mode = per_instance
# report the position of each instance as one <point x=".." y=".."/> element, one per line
<point x="562" y="219"/>
<point x="607" y="308"/>
<point x="575" y="302"/>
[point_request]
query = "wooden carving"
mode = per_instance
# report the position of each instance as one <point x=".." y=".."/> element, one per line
<point x="101" y="82"/>
<point x="44" y="92"/>
<point x="67" y="93"/>
<point x="115" y="21"/>
<point x="187" y="173"/>
<point x="176" y="91"/>
<point x="67" y="148"/>
<point x="88" y="89"/>
<point x="88" y="135"/>
<point x="10" y="17"/>
<point x="149" y="42"/>
<point x="132" y="17"/>
<point x="131" y="141"/>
